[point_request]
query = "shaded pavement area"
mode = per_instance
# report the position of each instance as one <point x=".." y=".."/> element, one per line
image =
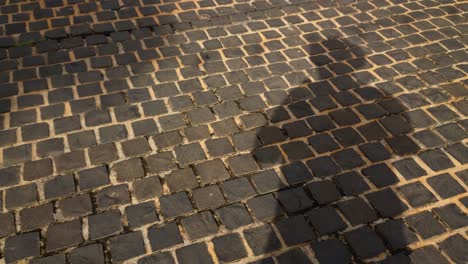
<point x="219" y="131"/>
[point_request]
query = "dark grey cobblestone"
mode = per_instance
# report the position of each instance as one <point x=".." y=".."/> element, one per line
<point x="277" y="131"/>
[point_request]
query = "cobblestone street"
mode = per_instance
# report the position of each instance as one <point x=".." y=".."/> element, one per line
<point x="245" y="131"/>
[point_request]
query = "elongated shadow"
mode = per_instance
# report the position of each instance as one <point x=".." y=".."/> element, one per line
<point x="330" y="137"/>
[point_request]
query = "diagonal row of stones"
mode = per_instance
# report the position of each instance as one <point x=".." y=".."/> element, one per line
<point x="54" y="19"/>
<point x="195" y="140"/>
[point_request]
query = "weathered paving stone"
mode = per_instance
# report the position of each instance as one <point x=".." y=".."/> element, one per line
<point x="455" y="248"/>
<point x="212" y="171"/>
<point x="8" y="137"/>
<point x="436" y="159"/>
<point x="164" y="257"/>
<point x="295" y="230"/>
<point x="396" y="233"/>
<point x="97" y="117"/>
<point x="22" y="246"/>
<point x="416" y="194"/>
<point x="429" y="138"/>
<point x="409" y="168"/>
<point x="229" y="247"/>
<point x="126" y="246"/>
<point x="294" y="199"/>
<point x="326" y="220"/>
<point x="350" y="183"/>
<point x="445" y="185"/>
<point x="191" y="153"/>
<point x="296" y="172"/>
<point x="428" y="254"/>
<point x="167" y="139"/>
<point x="36" y="217"/>
<point x="102" y="153"/>
<point x="267" y="181"/>
<point x="386" y="202"/>
<point x="380" y="175"/>
<point x="347" y="137"/>
<point x="323" y="167"/>
<point x="403" y="145"/>
<point x="195" y="253"/>
<point x="347" y="159"/>
<point x="323" y="143"/>
<point x="112" y="195"/>
<point x="37" y="169"/>
<point x="269" y="135"/>
<point x="69" y="161"/>
<point x="175" y="204"/>
<point x="199" y="225"/>
<point x="34" y="131"/>
<point x="67" y="124"/>
<point x="104" y="224"/>
<point x="16" y="155"/>
<point x="50" y="147"/>
<point x="262" y="239"/>
<point x="129" y="169"/>
<point x="452" y="215"/>
<point x="57" y="258"/>
<point x="160" y="162"/>
<point x="93" y="253"/>
<point x="147" y="188"/>
<point x="94" y="177"/>
<point x="196" y="133"/>
<point x="82" y="139"/>
<point x="20" y="196"/>
<point x="372" y="131"/>
<point x="219" y="147"/>
<point x="9" y="176"/>
<point x="180" y="180"/>
<point x="458" y="151"/>
<point x="398" y="257"/>
<point x="242" y="164"/>
<point x="375" y="152"/>
<point x="234" y="216"/>
<point x="297" y="150"/>
<point x="112" y="133"/>
<point x="208" y="197"/>
<point x="63" y="235"/>
<point x="59" y="186"/>
<point x="171" y="122"/>
<point x="331" y="251"/>
<point x="348" y="208"/>
<point x="135" y="147"/>
<point x="75" y="206"/>
<point x="164" y="236"/>
<point x="8" y="222"/>
<point x="323" y="192"/>
<point x="237" y="189"/>
<point x="295" y="255"/>
<point x="264" y="207"/>
<point x="141" y="214"/>
<point x="365" y="242"/>
<point x="225" y="127"/>
<point x="425" y="224"/>
<point x="268" y="260"/>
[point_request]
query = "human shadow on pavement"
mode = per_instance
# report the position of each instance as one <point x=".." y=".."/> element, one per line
<point x="331" y="138"/>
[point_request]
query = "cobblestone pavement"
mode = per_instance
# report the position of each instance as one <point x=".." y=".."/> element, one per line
<point x="213" y="131"/>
